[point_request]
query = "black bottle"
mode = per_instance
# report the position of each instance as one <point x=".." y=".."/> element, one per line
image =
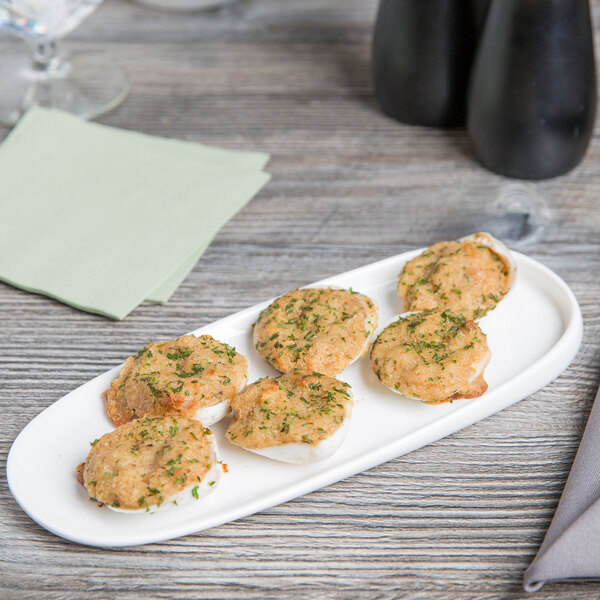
<point x="532" y="98"/>
<point x="422" y="56"/>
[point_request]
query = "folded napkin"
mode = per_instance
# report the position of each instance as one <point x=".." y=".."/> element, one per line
<point x="571" y="547"/>
<point x="102" y="218"/>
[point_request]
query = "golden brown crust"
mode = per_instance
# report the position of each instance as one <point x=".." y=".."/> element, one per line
<point x="146" y="462"/>
<point x="477" y="388"/>
<point x="315" y="329"/>
<point x="434" y="356"/>
<point x="296" y="408"/>
<point x="79" y="472"/>
<point x="176" y="377"/>
<point x="464" y="277"/>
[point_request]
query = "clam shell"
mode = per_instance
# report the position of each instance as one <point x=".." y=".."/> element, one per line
<point x="209" y="415"/>
<point x="498" y="248"/>
<point x="483" y="363"/>
<point x="368" y="340"/>
<point x="308" y="453"/>
<point x="185" y="497"/>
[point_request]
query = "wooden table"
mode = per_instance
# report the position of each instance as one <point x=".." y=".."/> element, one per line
<point x="461" y="518"/>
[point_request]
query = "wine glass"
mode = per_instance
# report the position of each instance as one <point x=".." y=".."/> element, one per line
<point x="186" y="5"/>
<point x="82" y="84"/>
<point x="516" y="212"/>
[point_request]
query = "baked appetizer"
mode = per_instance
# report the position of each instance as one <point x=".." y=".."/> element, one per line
<point x="434" y="356"/>
<point x="189" y="376"/>
<point x="467" y="276"/>
<point x="299" y="417"/>
<point x="151" y="463"/>
<point x="315" y="329"/>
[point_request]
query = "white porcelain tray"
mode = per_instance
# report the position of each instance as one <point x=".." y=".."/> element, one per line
<point x="533" y="335"/>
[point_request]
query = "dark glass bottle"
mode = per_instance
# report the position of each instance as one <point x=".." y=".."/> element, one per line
<point x="422" y="56"/>
<point x="532" y="98"/>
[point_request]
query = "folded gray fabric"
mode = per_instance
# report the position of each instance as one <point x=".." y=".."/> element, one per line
<point x="571" y="547"/>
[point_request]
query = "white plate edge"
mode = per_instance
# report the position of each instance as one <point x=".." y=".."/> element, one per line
<point x="530" y="380"/>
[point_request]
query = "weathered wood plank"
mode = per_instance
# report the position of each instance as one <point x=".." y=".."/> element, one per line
<point x="458" y="519"/>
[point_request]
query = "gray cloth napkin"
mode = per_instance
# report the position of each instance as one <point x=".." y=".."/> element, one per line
<point x="571" y="547"/>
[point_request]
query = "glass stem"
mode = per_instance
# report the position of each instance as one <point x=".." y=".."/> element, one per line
<point x="45" y="60"/>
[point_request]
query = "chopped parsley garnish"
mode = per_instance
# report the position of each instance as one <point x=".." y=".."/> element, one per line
<point x="179" y="354"/>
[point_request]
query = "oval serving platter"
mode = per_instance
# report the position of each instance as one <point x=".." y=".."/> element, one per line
<point x="533" y="334"/>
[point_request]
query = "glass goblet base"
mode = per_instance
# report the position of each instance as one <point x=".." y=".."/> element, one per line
<point x="81" y="84"/>
<point x="515" y="212"/>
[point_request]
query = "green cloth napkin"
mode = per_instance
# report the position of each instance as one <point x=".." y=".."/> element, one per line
<point x="102" y="218"/>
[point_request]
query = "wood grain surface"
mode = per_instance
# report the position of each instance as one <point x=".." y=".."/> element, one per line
<point x="461" y="518"/>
